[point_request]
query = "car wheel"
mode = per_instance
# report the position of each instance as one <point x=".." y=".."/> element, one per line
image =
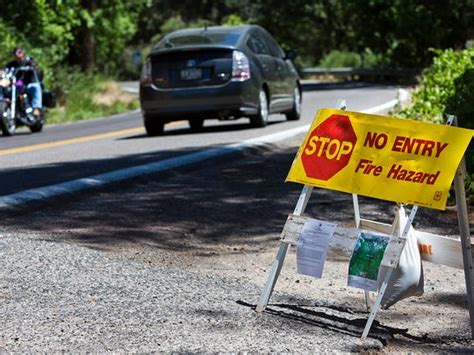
<point x="295" y="112"/>
<point x="261" y="119"/>
<point x="154" y="126"/>
<point x="196" y="124"/>
<point x="7" y="124"/>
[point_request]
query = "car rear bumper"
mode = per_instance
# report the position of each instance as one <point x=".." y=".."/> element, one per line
<point x="231" y="99"/>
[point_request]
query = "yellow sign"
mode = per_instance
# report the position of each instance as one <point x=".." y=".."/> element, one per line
<point x="378" y="156"/>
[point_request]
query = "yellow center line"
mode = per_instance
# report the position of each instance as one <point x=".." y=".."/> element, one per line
<point x="94" y="137"/>
<point x="33" y="147"/>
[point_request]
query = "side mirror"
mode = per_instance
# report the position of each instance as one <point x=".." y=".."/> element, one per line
<point x="291" y="54"/>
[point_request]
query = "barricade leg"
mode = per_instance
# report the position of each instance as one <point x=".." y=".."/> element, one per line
<point x="355" y="203"/>
<point x="388" y="274"/>
<point x="272" y="277"/>
<point x="280" y="257"/>
<point x="376" y="305"/>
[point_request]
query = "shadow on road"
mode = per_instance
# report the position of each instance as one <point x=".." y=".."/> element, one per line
<point x="334" y="319"/>
<point x="210" y="126"/>
<point x="236" y="199"/>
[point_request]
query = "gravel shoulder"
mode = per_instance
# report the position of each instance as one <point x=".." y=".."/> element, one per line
<point x="176" y="261"/>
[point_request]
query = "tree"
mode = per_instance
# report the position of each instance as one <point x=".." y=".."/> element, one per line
<point x="212" y="12"/>
<point x="43" y="28"/>
<point x="105" y="28"/>
<point x="88" y="33"/>
<point x="92" y="34"/>
<point x="405" y="30"/>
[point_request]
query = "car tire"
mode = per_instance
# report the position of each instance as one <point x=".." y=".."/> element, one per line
<point x="8" y="126"/>
<point x="295" y="113"/>
<point x="261" y="118"/>
<point x="154" y="126"/>
<point x="196" y="124"/>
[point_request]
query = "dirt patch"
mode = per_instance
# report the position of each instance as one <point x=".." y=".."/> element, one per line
<point x="226" y="218"/>
<point x="111" y="93"/>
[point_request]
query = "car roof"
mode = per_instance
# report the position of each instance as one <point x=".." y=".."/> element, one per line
<point x="213" y="29"/>
<point x="240" y="30"/>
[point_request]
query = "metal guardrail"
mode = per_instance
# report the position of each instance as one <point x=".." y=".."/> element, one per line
<point x="349" y="71"/>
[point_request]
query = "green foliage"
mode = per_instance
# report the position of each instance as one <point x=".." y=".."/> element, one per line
<point x="401" y="31"/>
<point x="373" y="60"/>
<point x="297" y="25"/>
<point x="8" y="40"/>
<point x="115" y="23"/>
<point x="43" y="28"/>
<point x="99" y="36"/>
<point x="340" y="59"/>
<point x="404" y="30"/>
<point x="94" y="34"/>
<point x="233" y="20"/>
<point x="176" y="23"/>
<point x="461" y="103"/>
<point x="54" y="31"/>
<point x="79" y="99"/>
<point x="469" y="186"/>
<point x="191" y="12"/>
<point x="173" y="24"/>
<point x="446" y="88"/>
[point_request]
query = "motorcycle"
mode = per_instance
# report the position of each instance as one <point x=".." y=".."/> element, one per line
<point x="15" y="108"/>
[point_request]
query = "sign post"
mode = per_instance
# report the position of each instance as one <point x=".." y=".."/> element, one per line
<point x="463" y="222"/>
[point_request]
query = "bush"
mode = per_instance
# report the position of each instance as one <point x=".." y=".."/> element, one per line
<point x="446" y="87"/>
<point x="340" y="59"/>
<point x="8" y="40"/>
<point x="81" y="96"/>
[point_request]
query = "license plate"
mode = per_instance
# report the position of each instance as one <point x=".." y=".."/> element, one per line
<point x="191" y="73"/>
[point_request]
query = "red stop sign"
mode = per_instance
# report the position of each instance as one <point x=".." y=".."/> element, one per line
<point x="329" y="148"/>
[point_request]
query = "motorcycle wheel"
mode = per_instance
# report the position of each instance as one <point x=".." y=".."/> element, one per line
<point x="8" y="125"/>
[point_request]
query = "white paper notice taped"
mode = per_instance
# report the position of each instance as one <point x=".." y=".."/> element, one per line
<point x="312" y="247"/>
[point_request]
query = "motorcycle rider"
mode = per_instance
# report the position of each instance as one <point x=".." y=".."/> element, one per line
<point x="29" y="78"/>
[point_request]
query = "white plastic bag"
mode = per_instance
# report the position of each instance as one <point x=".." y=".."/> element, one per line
<point x="407" y="279"/>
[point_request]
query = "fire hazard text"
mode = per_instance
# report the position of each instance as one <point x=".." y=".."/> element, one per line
<point x="397" y="172"/>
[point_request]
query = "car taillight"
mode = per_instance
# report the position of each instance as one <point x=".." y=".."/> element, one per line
<point x="145" y="77"/>
<point x="240" y="66"/>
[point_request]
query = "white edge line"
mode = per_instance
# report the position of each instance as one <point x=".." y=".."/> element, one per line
<point x="40" y="193"/>
<point x="382" y="107"/>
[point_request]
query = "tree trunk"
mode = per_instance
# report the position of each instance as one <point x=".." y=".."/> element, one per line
<point x="87" y="38"/>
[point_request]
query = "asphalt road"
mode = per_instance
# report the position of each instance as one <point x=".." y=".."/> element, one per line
<point x="176" y="263"/>
<point x="71" y="151"/>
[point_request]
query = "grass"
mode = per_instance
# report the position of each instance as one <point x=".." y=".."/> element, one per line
<point x="88" y="96"/>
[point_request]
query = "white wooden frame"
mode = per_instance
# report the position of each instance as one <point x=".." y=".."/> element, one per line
<point x="443" y="250"/>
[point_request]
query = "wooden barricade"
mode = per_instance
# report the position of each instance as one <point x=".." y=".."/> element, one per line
<point x="434" y="248"/>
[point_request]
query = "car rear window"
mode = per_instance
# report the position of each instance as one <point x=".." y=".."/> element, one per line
<point x="199" y="38"/>
<point x="257" y="46"/>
